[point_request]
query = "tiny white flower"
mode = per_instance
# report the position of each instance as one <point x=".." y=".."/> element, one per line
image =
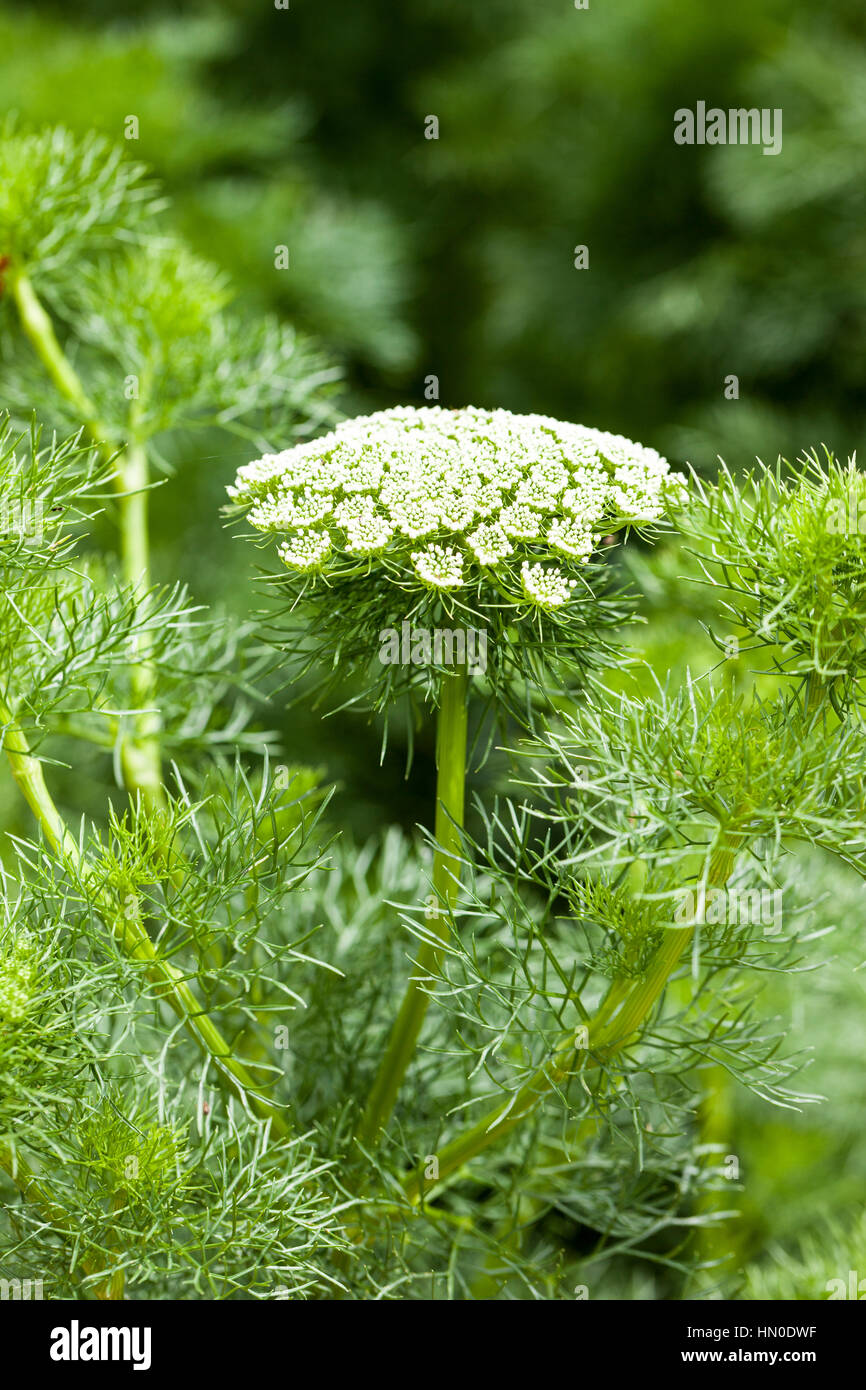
<point x="362" y="469"/>
<point x="544" y="485"/>
<point x="488" y="499"/>
<point x="520" y="523"/>
<point x="546" y="586"/>
<point x="354" y="508"/>
<point x="306" y="550"/>
<point x="253" y="478"/>
<point x="457" y="510"/>
<point x="570" y="538"/>
<point x="439" y="566"/>
<point x="272" y="514"/>
<point x="588" y="499"/>
<point x="310" y="508"/>
<point x="368" y="534"/>
<point x="414" y="516"/>
<point x="489" y="544"/>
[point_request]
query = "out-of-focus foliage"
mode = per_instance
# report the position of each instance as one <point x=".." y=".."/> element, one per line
<point x="556" y="130"/>
<point x="236" y="168"/>
<point x="305" y="127"/>
<point x="796" y="1176"/>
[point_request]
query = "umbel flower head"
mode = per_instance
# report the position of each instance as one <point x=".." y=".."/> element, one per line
<point x="443" y="500"/>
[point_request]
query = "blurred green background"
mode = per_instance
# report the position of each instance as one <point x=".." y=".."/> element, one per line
<point x="453" y="258"/>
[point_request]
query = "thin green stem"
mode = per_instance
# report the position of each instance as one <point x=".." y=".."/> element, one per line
<point x="39" y="329"/>
<point x="450" y="794"/>
<point x="130" y="932"/>
<point x="608" y="1034"/>
<point x="140" y="755"/>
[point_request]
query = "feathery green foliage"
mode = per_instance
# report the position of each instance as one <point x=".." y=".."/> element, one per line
<point x="202" y="1090"/>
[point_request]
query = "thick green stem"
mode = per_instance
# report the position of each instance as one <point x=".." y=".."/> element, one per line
<point x="450" y="792"/>
<point x="608" y="1034"/>
<point x="130" y="932"/>
<point x="717" y="1240"/>
<point x="134" y="542"/>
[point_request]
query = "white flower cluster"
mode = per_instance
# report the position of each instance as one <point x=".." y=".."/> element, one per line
<point x="449" y="492"/>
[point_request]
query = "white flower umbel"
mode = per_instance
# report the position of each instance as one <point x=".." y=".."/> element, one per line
<point x="439" y="566"/>
<point x="570" y="539"/>
<point x="486" y="517"/>
<point x="306" y="551"/>
<point x="489" y="544"/>
<point x="487" y="494"/>
<point x="546" y="585"/>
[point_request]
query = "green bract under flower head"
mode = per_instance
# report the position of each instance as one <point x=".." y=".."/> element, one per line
<point x="445" y="498"/>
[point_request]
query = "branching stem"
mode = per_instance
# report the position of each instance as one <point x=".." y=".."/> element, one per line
<point x="608" y="1034"/>
<point x="140" y="755"/>
<point x="130" y="932"/>
<point x="39" y="329"/>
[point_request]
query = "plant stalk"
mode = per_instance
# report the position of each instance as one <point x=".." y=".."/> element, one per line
<point x="608" y="1034"/>
<point x="131" y="932"/>
<point x="140" y="756"/>
<point x="451" y="732"/>
<point x="39" y="329"/>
